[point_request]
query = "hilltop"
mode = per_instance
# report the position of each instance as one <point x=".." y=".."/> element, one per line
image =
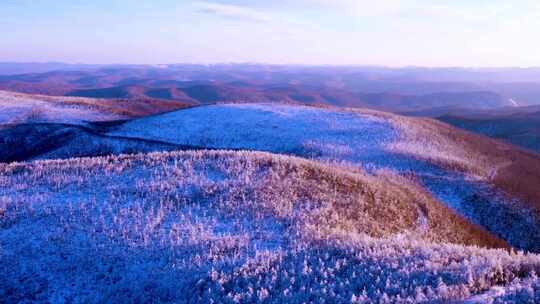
<point x="19" y="108"/>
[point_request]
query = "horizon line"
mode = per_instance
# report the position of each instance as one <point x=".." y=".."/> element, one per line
<point x="330" y="65"/>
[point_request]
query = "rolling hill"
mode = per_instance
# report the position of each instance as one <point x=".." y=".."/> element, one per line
<point x="265" y="201"/>
<point x="238" y="225"/>
<point x="372" y="140"/>
<point x="19" y="108"/>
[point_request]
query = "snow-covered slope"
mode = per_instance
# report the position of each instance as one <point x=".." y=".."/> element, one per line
<point x="364" y="139"/>
<point x="373" y="211"/>
<point x="23" y="108"/>
<point x="203" y="227"/>
<point x="273" y="127"/>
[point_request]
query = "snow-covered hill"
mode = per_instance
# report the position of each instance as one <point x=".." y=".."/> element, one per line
<point x="367" y="139"/>
<point x="238" y="227"/>
<point x="23" y="108"/>
<point x="349" y="206"/>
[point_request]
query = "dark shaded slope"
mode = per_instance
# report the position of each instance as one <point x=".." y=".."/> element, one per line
<point x="521" y="129"/>
<point x="61" y="141"/>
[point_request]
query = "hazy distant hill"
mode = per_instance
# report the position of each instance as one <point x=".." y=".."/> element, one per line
<point x="377" y="87"/>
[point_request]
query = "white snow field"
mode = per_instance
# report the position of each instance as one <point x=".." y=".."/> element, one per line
<point x="237" y="227"/>
<point x="22" y="108"/>
<point x="362" y="139"/>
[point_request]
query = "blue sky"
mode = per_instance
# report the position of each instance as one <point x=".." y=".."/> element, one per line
<point x="383" y="32"/>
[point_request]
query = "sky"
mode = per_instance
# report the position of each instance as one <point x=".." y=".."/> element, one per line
<point x="474" y="33"/>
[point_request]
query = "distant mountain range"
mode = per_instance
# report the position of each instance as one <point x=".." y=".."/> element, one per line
<point x="397" y="90"/>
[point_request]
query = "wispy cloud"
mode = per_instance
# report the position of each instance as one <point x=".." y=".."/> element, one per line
<point x="235" y="12"/>
<point x="362" y="7"/>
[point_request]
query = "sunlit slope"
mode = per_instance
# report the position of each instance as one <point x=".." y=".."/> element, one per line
<point x="16" y="108"/>
<point x="21" y="108"/>
<point x="236" y="225"/>
<point x="457" y="168"/>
